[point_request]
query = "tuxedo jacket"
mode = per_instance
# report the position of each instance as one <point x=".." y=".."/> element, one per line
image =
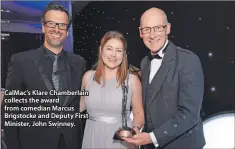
<point x="174" y="99"/>
<point x="30" y="71"/>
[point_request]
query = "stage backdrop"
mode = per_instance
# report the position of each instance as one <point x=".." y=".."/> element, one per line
<point x="206" y="28"/>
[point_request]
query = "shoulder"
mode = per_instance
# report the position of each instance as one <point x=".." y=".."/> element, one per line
<point x="189" y="61"/>
<point x="187" y="55"/>
<point x="133" y="77"/>
<point x="143" y="61"/>
<point x="75" y="57"/>
<point x="134" y="80"/>
<point x="77" y="60"/>
<point x="87" y="76"/>
<point x="26" y="55"/>
<point x="135" y="85"/>
<point x="186" y="59"/>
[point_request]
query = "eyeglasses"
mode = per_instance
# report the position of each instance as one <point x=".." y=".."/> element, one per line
<point x="147" y="30"/>
<point x="52" y="24"/>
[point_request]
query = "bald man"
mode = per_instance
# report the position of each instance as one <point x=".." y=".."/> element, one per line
<point x="173" y="86"/>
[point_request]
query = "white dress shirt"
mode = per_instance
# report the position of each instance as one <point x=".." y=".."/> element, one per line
<point x="155" y="65"/>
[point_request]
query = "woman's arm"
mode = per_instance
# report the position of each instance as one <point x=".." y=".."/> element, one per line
<point x="137" y="104"/>
<point x="84" y="83"/>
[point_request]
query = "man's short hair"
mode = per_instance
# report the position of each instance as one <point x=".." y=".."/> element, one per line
<point x="54" y="6"/>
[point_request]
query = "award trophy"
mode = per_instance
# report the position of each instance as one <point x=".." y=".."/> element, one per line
<point x="124" y="131"/>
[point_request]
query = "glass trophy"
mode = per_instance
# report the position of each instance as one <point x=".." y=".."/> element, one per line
<point x="124" y="131"/>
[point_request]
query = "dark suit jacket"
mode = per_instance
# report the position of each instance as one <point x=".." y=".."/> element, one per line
<point x="25" y="72"/>
<point x="176" y="99"/>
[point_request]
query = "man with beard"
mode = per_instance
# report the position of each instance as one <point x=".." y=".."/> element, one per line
<point x="46" y="68"/>
<point x="173" y="86"/>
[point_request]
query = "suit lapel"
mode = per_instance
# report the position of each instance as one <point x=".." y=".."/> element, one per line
<point x="45" y="72"/>
<point x="71" y="83"/>
<point x="167" y="63"/>
<point x="145" y="76"/>
<point x="42" y="63"/>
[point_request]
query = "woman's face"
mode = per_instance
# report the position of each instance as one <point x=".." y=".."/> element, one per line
<point x="112" y="53"/>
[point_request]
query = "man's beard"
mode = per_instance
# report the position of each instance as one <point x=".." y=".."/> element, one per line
<point x="52" y="44"/>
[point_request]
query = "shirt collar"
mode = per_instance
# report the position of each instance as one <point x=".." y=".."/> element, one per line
<point x="163" y="49"/>
<point x="48" y="53"/>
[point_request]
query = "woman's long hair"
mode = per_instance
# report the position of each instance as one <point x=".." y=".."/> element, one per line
<point x="122" y="68"/>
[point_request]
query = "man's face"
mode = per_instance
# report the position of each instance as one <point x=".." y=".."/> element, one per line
<point x="154" y="31"/>
<point x="55" y="34"/>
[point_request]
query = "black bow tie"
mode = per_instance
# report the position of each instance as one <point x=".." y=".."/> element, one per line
<point x="151" y="57"/>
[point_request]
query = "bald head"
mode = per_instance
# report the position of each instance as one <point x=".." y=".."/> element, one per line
<point x="154" y="29"/>
<point x="156" y="13"/>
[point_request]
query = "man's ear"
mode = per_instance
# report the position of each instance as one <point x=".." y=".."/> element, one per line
<point x="141" y="36"/>
<point x="168" y="29"/>
<point x="43" y="28"/>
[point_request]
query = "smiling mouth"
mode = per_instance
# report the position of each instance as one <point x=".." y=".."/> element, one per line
<point x="154" y="41"/>
<point x="112" y="60"/>
<point x="55" y="35"/>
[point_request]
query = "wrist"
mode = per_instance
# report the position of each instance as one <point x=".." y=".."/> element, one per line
<point x="150" y="138"/>
<point x="136" y="126"/>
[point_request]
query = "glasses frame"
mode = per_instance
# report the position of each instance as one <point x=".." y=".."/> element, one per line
<point x="56" y="24"/>
<point x="154" y="29"/>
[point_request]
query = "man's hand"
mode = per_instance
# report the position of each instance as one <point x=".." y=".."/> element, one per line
<point x="137" y="131"/>
<point x="139" y="139"/>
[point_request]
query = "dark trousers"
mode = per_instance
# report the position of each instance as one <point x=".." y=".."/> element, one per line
<point x="61" y="144"/>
